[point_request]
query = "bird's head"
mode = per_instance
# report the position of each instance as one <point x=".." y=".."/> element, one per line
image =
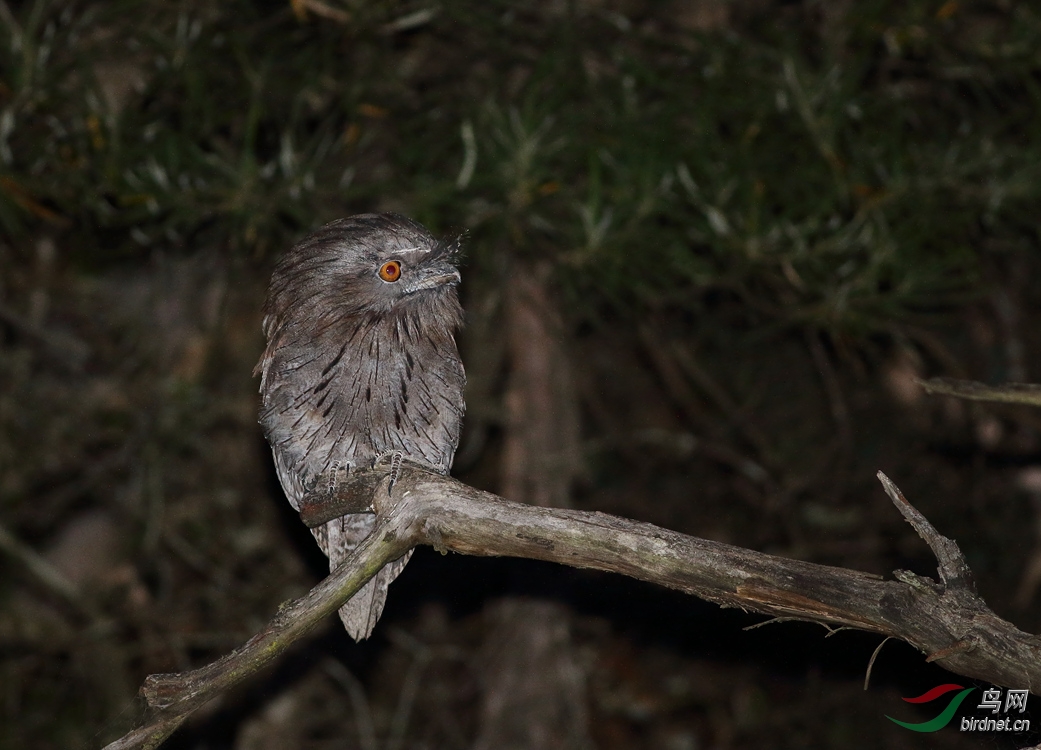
<point x="375" y="266"/>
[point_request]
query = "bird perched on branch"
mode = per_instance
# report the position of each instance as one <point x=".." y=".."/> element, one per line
<point x="361" y="362"/>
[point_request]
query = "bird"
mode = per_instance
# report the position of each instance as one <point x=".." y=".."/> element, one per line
<point x="361" y="362"/>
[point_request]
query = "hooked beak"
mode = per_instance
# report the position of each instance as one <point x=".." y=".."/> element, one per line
<point x="433" y="276"/>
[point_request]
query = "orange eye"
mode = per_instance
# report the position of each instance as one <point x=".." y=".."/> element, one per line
<point x="390" y="271"/>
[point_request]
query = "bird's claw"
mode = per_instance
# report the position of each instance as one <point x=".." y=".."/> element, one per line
<point x="335" y="476"/>
<point x="395" y="458"/>
<point x="331" y="486"/>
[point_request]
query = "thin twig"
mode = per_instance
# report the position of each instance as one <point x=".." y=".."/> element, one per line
<point x="871" y="661"/>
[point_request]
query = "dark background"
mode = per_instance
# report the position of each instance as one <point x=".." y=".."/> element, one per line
<point x="709" y="247"/>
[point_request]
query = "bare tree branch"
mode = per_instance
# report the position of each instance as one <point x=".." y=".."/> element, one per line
<point x="1009" y="393"/>
<point x="946" y="620"/>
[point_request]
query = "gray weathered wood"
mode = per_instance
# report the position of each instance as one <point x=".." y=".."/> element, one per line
<point x="946" y="620"/>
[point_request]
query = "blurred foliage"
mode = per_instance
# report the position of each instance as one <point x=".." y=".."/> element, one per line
<point x="844" y="170"/>
<point x="762" y="219"/>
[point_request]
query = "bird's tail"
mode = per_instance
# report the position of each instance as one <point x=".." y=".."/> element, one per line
<point x="338" y="539"/>
<point x="360" y="613"/>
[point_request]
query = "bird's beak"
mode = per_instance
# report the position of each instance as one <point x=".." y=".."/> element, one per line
<point x="432" y="276"/>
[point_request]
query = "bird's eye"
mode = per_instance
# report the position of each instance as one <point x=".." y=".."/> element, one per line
<point x="390" y="271"/>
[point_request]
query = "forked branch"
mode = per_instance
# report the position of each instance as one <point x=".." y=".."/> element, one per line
<point x="946" y="620"/>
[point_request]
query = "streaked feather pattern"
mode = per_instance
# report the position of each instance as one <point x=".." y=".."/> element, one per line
<point x="356" y="367"/>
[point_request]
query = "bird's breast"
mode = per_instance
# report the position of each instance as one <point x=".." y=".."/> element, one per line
<point x="364" y="397"/>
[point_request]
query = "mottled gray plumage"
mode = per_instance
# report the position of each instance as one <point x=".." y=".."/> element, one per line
<point x="357" y="366"/>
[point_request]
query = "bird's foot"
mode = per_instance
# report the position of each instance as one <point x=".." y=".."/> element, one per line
<point x="334" y="477"/>
<point x="395" y="458"/>
<point x="333" y="481"/>
<point x="337" y="487"/>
